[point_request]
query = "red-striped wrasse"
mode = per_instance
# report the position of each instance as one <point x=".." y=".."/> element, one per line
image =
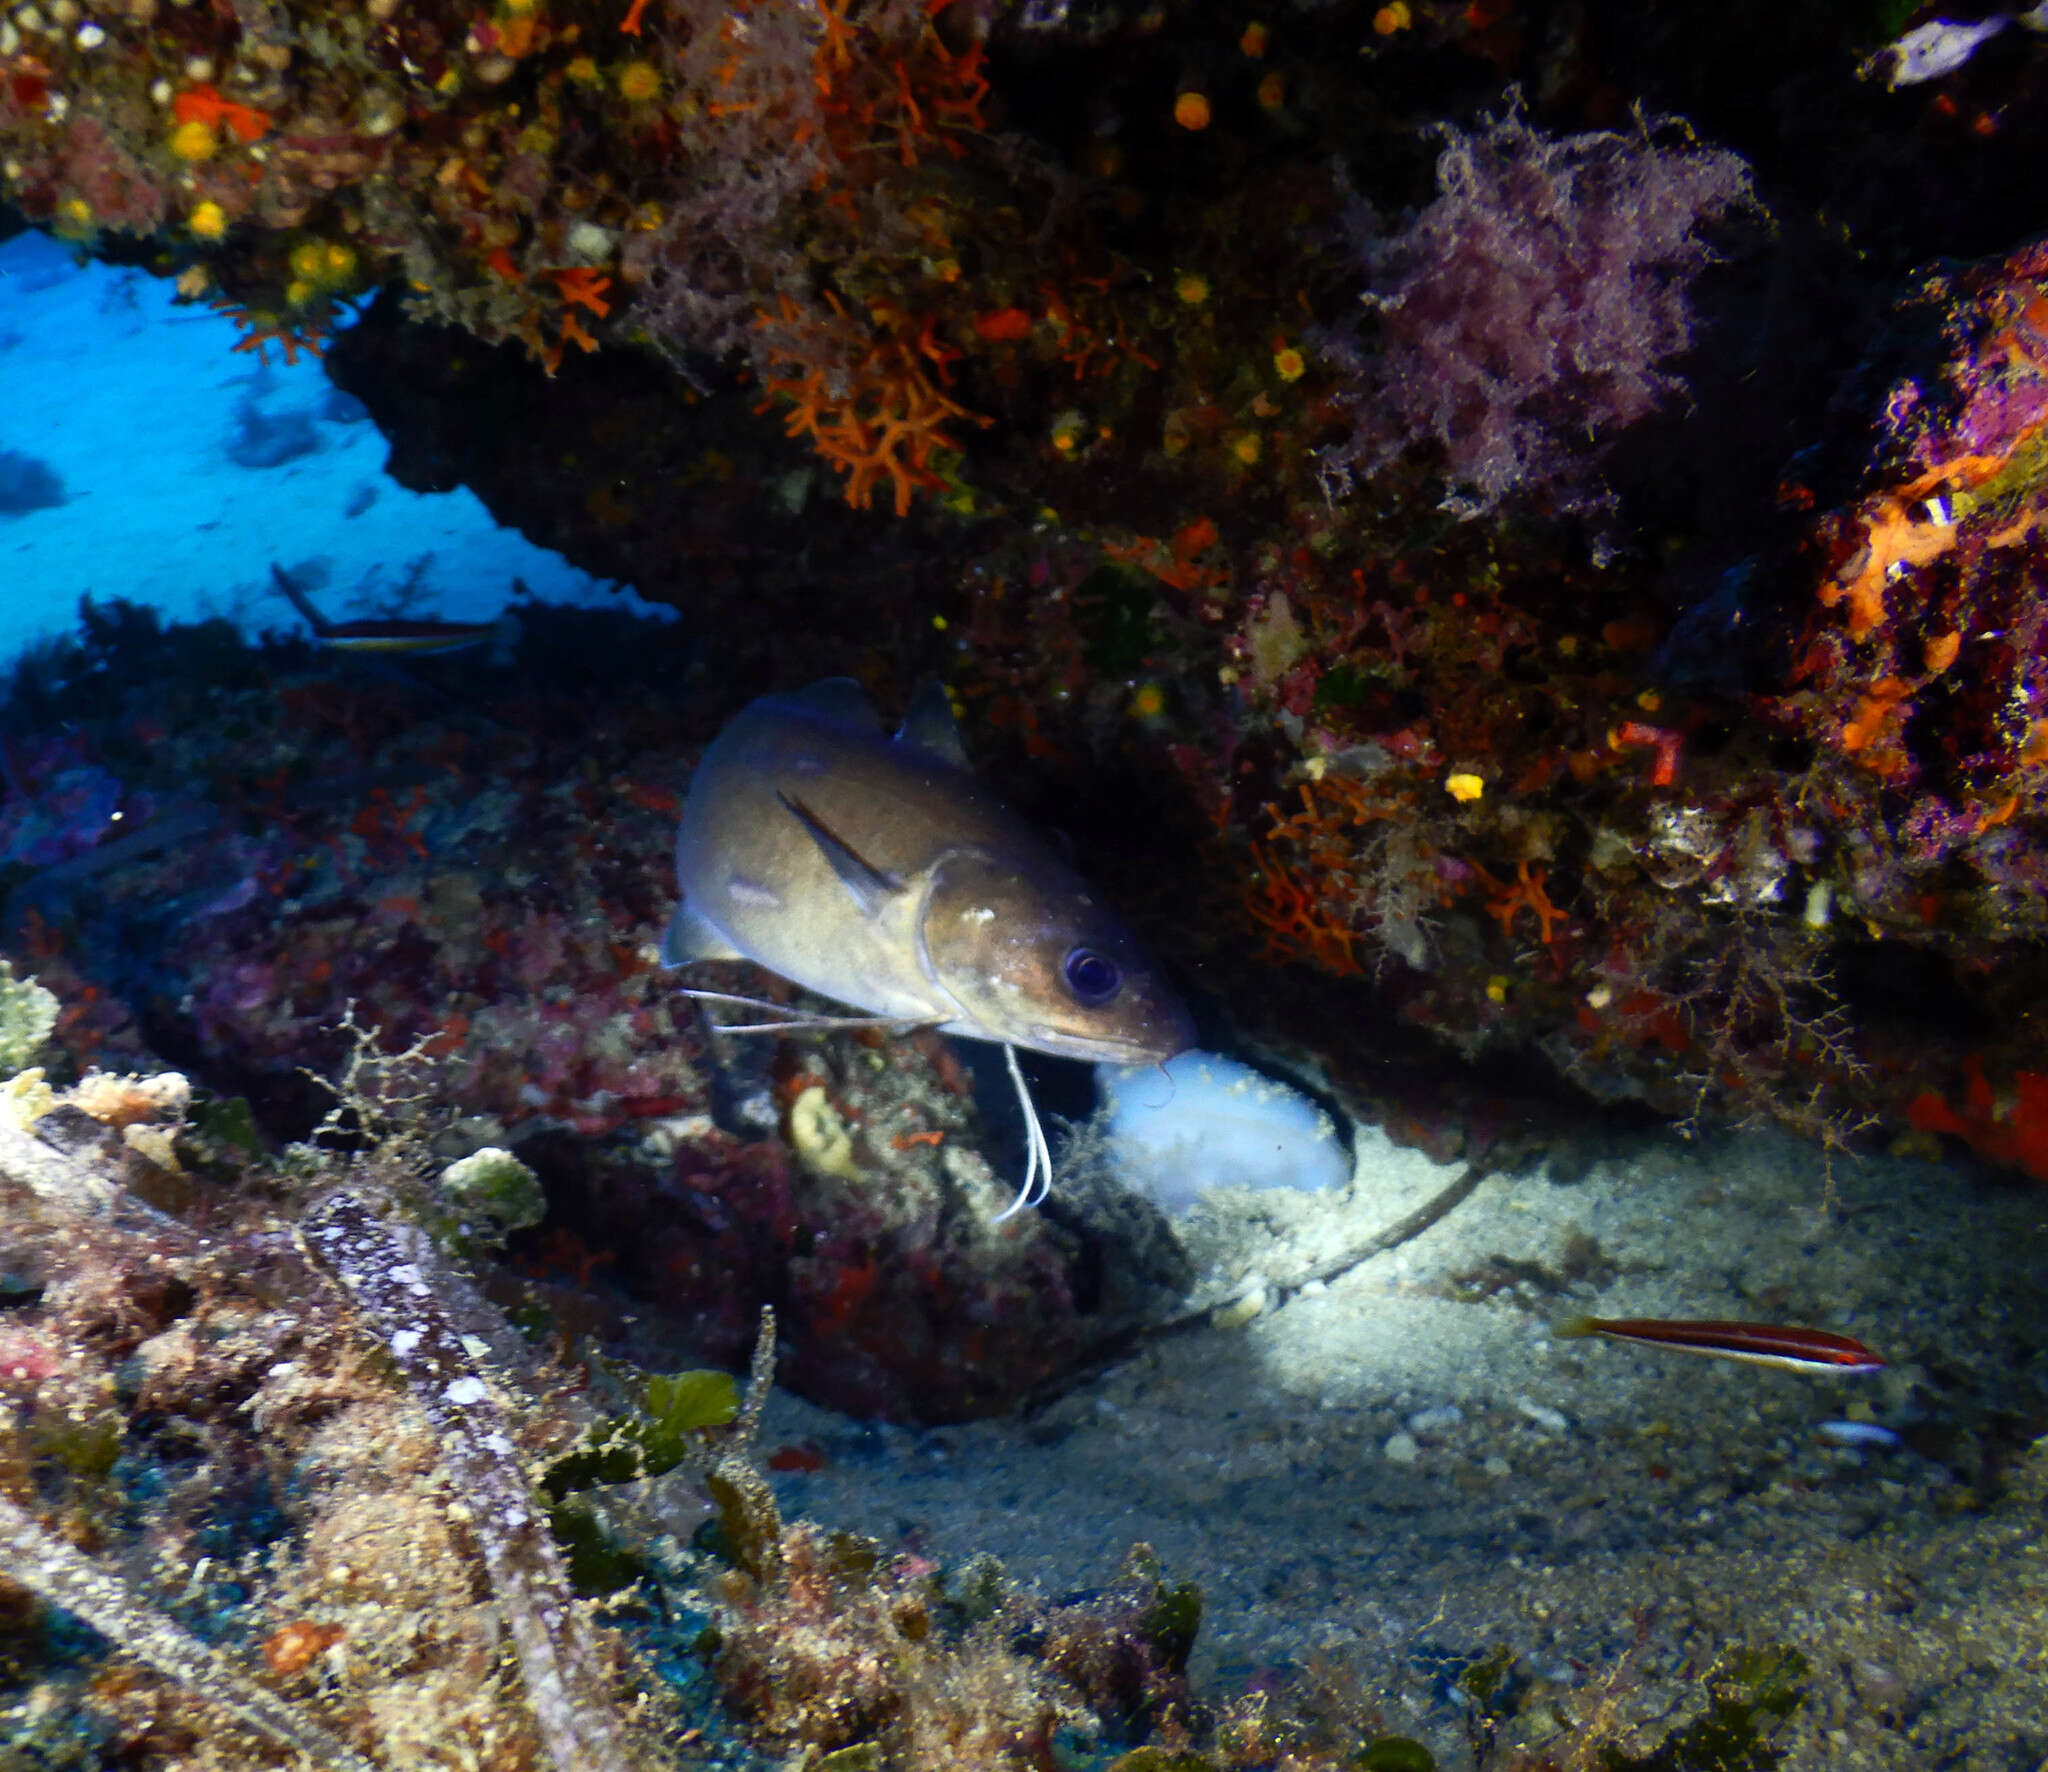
<point x="415" y="638"/>
<point x="1758" y="1344"/>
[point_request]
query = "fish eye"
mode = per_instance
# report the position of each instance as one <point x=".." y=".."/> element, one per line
<point x="1092" y="977"/>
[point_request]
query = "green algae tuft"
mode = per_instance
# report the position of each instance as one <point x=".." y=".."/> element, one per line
<point x="28" y="1016"/>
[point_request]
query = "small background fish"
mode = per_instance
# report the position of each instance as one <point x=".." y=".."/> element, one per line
<point x="1786" y="1346"/>
<point x="417" y="639"/>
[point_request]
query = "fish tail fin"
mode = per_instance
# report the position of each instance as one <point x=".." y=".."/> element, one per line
<point x="297" y="598"/>
<point x="1574" y="1328"/>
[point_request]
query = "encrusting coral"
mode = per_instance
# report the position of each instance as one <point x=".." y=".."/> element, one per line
<point x="361" y="1487"/>
<point x="48" y="1566"/>
<point x="258" y="1358"/>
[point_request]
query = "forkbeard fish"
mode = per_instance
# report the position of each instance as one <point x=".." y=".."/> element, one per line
<point x="880" y="872"/>
<point x="1789" y="1348"/>
<point x="417" y="639"/>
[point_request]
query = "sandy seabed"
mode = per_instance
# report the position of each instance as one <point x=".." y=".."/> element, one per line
<point x="1401" y="1470"/>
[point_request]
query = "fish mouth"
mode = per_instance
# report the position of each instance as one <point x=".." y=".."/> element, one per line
<point x="1109" y="1048"/>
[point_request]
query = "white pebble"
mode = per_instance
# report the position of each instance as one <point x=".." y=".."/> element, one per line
<point x="1401" y="1449"/>
<point x="1551" y="1421"/>
<point x="1245" y="1308"/>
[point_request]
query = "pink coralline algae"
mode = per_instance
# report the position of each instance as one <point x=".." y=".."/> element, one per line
<point x="1536" y="301"/>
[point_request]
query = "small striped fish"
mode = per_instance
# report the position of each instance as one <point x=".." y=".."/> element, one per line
<point x="415" y="638"/>
<point x="1790" y="1348"/>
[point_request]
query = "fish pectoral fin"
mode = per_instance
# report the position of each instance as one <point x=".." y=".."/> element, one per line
<point x="871" y="888"/>
<point x="688" y="937"/>
<point x="929" y="726"/>
<point x="837" y="698"/>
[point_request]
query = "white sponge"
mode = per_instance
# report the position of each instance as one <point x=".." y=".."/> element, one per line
<point x="1211" y="1122"/>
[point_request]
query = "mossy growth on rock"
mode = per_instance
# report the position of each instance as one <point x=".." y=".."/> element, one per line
<point x="495" y="1187"/>
<point x="28" y="1016"/>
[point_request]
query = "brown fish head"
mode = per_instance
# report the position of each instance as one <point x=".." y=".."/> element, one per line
<point x="1033" y="958"/>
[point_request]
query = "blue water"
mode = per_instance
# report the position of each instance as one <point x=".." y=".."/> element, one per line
<point x="142" y="456"/>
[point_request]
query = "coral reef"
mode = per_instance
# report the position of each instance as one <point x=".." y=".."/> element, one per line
<point x="1697" y="766"/>
<point x="1613" y="654"/>
<point x="485" y="876"/>
<point x="201" y="1398"/>
<point x="268" y="1374"/>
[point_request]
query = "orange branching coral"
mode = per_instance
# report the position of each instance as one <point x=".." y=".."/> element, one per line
<point x="1309" y="890"/>
<point x="1525" y="894"/>
<point x="582" y="287"/>
<point x="260" y="331"/>
<point x="576" y="286"/>
<point x="873" y="92"/>
<point x="1299" y="925"/>
<point x="1332" y="806"/>
<point x="1187" y="563"/>
<point x="573" y="333"/>
<point x="871" y="405"/>
<point x="579" y="288"/>
<point x="913" y="92"/>
<point x="835" y="49"/>
<point x="1092" y="340"/>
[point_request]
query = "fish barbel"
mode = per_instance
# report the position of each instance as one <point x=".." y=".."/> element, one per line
<point x="878" y="871"/>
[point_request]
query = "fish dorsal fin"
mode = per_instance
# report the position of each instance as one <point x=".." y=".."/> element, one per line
<point x="837" y="698"/>
<point x="929" y="726"/>
<point x="688" y="937"/>
<point x="871" y="888"/>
